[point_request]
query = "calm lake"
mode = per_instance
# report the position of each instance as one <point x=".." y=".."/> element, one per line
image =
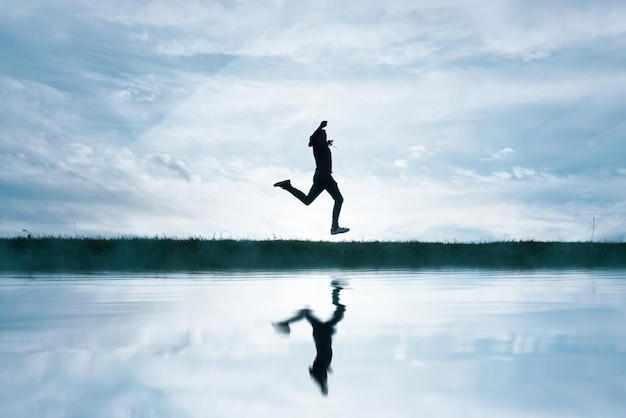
<point x="461" y="343"/>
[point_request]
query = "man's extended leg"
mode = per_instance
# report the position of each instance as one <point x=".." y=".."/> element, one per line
<point x="307" y="199"/>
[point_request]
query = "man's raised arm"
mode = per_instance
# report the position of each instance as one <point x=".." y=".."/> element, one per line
<point x="317" y="136"/>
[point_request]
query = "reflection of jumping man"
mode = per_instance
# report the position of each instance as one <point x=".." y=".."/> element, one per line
<point x="322" y="180"/>
<point x="322" y="334"/>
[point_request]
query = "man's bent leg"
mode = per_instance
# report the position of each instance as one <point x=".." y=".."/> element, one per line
<point x="315" y="191"/>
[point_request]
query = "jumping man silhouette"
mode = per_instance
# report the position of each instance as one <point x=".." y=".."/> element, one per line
<point x="322" y="180"/>
<point x="322" y="336"/>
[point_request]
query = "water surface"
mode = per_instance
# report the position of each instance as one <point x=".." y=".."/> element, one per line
<point x="471" y="343"/>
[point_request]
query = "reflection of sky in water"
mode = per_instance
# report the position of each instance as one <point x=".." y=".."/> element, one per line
<point x="438" y="344"/>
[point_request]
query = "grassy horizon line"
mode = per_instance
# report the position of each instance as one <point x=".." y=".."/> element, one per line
<point x="134" y="253"/>
<point x="162" y="237"/>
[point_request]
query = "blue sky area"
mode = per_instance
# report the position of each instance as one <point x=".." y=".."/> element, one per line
<point x="453" y="120"/>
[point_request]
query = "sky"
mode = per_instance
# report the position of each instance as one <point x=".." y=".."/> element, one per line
<point x="452" y="120"/>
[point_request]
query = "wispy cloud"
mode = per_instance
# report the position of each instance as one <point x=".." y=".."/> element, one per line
<point x="498" y="155"/>
<point x="174" y="165"/>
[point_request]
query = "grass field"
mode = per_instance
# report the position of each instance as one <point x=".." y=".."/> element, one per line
<point x="54" y="254"/>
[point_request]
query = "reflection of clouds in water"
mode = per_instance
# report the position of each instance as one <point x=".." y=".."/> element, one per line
<point x="124" y="367"/>
<point x="76" y="382"/>
<point x="429" y="343"/>
<point x="128" y="340"/>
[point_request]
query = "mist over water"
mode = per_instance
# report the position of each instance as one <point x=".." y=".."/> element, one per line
<point x="440" y="343"/>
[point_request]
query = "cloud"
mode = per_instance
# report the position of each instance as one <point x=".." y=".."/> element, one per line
<point x="174" y="165"/>
<point x="498" y="155"/>
<point x="27" y="104"/>
<point x="520" y="172"/>
<point x="79" y="153"/>
<point x="368" y="33"/>
<point x="401" y="163"/>
<point x="417" y="151"/>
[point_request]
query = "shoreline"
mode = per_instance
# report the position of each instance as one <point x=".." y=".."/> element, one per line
<point x="49" y="254"/>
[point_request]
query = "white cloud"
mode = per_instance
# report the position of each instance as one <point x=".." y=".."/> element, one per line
<point x="26" y="103"/>
<point x="498" y="155"/>
<point x="173" y="165"/>
<point x="417" y="151"/>
<point x="393" y="32"/>
<point x="502" y="175"/>
<point x="523" y="172"/>
<point x="400" y="163"/>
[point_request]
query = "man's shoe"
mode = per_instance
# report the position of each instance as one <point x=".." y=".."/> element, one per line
<point x="338" y="230"/>
<point x="283" y="184"/>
